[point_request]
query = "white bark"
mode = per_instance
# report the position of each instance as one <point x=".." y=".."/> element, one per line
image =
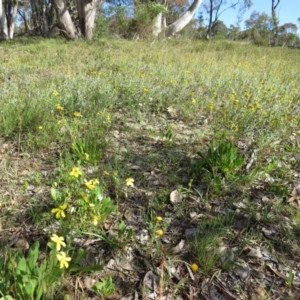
<point x="13" y="20"/>
<point x="87" y="12"/>
<point x="8" y="13"/>
<point x="65" y="20"/>
<point x="184" y="19"/>
<point x="157" y="25"/>
<point x="4" y="27"/>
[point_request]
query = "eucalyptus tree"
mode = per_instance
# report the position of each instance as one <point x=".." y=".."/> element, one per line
<point x="214" y="9"/>
<point x="218" y="7"/>
<point x="38" y="16"/>
<point x="275" y="20"/>
<point x="86" y="13"/>
<point x="8" y="13"/>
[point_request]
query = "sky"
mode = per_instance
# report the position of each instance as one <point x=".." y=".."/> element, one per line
<point x="288" y="11"/>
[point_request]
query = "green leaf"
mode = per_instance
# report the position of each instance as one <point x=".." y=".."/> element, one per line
<point x="54" y="275"/>
<point x="30" y="286"/>
<point x="54" y="194"/>
<point x="33" y="256"/>
<point x="7" y="297"/>
<point x="22" y="266"/>
<point x="122" y="228"/>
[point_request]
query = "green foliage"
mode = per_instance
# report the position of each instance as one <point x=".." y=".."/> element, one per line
<point x="219" y="161"/>
<point x="156" y="8"/>
<point x="101" y="28"/>
<point x="24" y="277"/>
<point x="104" y="287"/>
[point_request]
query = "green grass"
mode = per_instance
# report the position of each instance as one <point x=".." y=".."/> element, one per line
<point x="217" y="121"/>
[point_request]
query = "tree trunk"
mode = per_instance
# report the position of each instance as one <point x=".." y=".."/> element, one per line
<point x="4" y="31"/>
<point x="275" y="3"/>
<point x="208" y="33"/>
<point x="65" y="20"/>
<point x="87" y="12"/>
<point x="184" y="19"/>
<point x="8" y="13"/>
<point x="157" y="25"/>
<point x="12" y="19"/>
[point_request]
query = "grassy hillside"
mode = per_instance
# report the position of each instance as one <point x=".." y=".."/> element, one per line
<point x="163" y="169"/>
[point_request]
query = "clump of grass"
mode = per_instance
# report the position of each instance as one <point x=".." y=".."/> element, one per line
<point x="208" y="239"/>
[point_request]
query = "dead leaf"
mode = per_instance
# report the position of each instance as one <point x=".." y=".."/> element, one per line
<point x="172" y="111"/>
<point x="178" y="248"/>
<point x="175" y="197"/>
<point x="295" y="194"/>
<point x="151" y="281"/>
<point x="254" y="252"/>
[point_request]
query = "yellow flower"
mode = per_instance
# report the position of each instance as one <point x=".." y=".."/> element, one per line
<point x="58" y="240"/>
<point x="159" y="232"/>
<point x="194" y="101"/>
<point x="55" y="93"/>
<point x="40" y="127"/>
<point x="146" y="90"/>
<point x="60" y="211"/>
<point x="77" y="114"/>
<point x="59" y="107"/>
<point x="95" y="220"/>
<point x="91" y="183"/>
<point x="159" y="219"/>
<point x="76" y="172"/>
<point x="63" y="260"/>
<point x="87" y="156"/>
<point x="194" y="267"/>
<point x="129" y="182"/>
<point x="108" y="119"/>
<point x="84" y="197"/>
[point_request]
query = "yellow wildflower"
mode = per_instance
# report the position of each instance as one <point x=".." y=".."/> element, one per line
<point x="129" y="182"/>
<point x="84" y="197"/>
<point x="60" y="211"/>
<point x="58" y="240"/>
<point x="108" y="119"/>
<point x="159" y="232"/>
<point x="95" y="220"/>
<point x="59" y="107"/>
<point x="63" y="260"/>
<point x="55" y="93"/>
<point x="40" y="127"/>
<point x="194" y="101"/>
<point x="76" y="172"/>
<point x="77" y="114"/>
<point x="159" y="219"/>
<point x="194" y="267"/>
<point x="91" y="183"/>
